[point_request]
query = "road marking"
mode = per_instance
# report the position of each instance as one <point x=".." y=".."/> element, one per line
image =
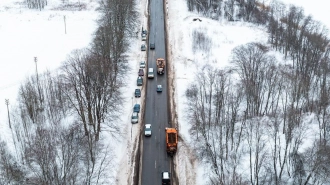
<point x="155" y="164"/>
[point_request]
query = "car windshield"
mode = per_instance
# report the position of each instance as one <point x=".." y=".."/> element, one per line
<point x="134" y="115"/>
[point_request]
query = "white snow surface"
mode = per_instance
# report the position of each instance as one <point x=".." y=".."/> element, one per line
<point x="26" y="34"/>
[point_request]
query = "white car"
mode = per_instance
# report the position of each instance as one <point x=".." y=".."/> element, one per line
<point x="142" y="64"/>
<point x="147" y="130"/>
<point x="166" y="178"/>
<point x="144" y="37"/>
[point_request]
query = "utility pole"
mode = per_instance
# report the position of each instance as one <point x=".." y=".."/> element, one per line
<point x="39" y="91"/>
<point x="7" y="103"/>
<point x="36" y="60"/>
<point x="65" y="23"/>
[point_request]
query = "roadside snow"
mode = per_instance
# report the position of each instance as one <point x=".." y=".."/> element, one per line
<point x="132" y="132"/>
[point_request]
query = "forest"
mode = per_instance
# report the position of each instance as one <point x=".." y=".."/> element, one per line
<point x="257" y="113"/>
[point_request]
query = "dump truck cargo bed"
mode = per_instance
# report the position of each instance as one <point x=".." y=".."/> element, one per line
<point x="160" y="62"/>
<point x="171" y="140"/>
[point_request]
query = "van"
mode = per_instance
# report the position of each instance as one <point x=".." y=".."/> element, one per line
<point x="151" y="73"/>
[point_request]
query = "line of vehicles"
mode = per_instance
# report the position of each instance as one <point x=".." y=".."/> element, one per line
<point x="170" y="133"/>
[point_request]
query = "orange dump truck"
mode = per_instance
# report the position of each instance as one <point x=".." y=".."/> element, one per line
<point x="160" y="65"/>
<point x="171" y="140"/>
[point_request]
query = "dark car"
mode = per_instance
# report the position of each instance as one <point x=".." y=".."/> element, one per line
<point x="144" y="32"/>
<point x="139" y="81"/>
<point x="136" y="108"/>
<point x="143" y="47"/>
<point x="152" y="46"/>
<point x="137" y="93"/>
<point x="141" y="72"/>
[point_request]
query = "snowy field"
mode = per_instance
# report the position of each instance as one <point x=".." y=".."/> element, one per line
<point x="26" y="34"/>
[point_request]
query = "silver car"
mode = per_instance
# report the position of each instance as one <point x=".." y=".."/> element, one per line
<point x="144" y="37"/>
<point x="142" y="64"/>
<point x="135" y="117"/>
<point x="143" y="47"/>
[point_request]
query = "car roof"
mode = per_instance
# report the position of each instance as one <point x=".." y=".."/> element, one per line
<point x="166" y="175"/>
<point x="148" y="125"/>
<point x="135" y="114"/>
<point x="137" y="105"/>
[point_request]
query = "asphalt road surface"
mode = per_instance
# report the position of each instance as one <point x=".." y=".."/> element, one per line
<point x="155" y="159"/>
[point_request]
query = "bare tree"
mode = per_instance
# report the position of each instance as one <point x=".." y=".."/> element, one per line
<point x="257" y="150"/>
<point x="10" y="171"/>
<point x="112" y="37"/>
<point x="92" y="91"/>
<point x="56" y="105"/>
<point x="53" y="157"/>
<point x="36" y="4"/>
<point x="30" y="105"/>
<point x="253" y="64"/>
<point x="213" y="111"/>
